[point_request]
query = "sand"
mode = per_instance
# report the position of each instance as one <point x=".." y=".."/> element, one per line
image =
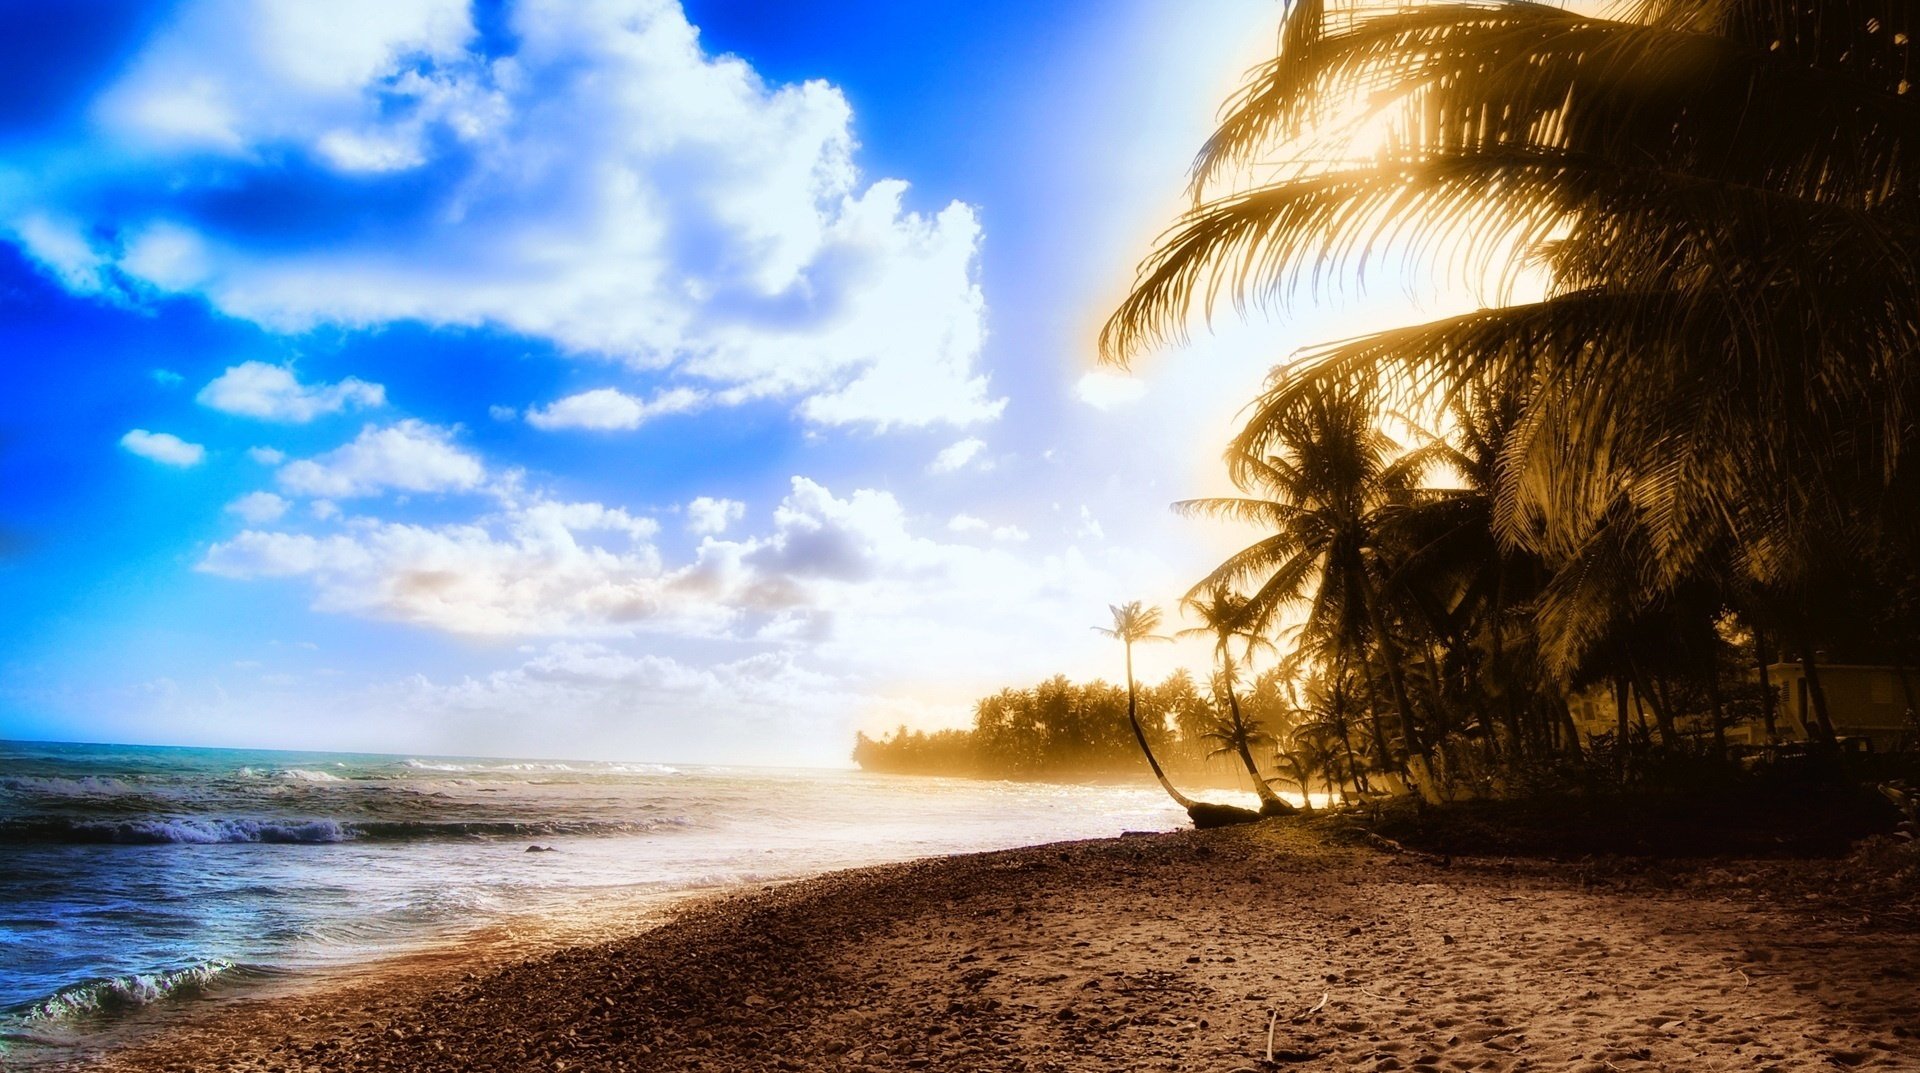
<point x="1170" y="952"/>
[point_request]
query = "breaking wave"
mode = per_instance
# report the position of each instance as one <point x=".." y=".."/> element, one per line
<point x="219" y="830"/>
<point x="536" y="767"/>
<point x="119" y="994"/>
<point x="58" y="786"/>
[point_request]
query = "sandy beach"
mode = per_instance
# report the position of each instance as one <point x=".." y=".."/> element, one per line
<point x="1187" y="951"/>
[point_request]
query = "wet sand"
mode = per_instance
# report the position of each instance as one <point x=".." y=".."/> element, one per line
<point x="1187" y="951"/>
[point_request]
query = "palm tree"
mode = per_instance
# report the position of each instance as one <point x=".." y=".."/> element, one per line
<point x="1319" y="500"/>
<point x="1322" y="736"/>
<point x="1718" y="202"/>
<point x="1223" y="616"/>
<point x="1136" y="622"/>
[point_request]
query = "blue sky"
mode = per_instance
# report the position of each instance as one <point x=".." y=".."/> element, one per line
<point x="590" y="377"/>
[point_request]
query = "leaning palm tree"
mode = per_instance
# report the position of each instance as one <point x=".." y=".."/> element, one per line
<point x="1136" y="622"/>
<point x="1697" y="223"/>
<point x="1223" y="616"/>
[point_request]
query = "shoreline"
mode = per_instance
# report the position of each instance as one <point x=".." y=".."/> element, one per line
<point x="1151" y="952"/>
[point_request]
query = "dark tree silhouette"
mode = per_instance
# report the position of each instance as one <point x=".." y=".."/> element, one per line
<point x="1136" y="622"/>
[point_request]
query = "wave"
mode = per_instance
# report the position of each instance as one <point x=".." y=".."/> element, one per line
<point x="533" y="767"/>
<point x="291" y="774"/>
<point x="224" y="830"/>
<point x="58" y="786"/>
<point x="119" y="994"/>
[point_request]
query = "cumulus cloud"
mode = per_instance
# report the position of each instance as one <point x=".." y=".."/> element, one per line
<point x="163" y="447"/>
<point x="1108" y="391"/>
<point x="410" y="456"/>
<point x="258" y="508"/>
<point x="958" y="456"/>
<point x="843" y="577"/>
<point x="606" y="185"/>
<point x="547" y="568"/>
<point x="968" y="523"/>
<point x="607" y="409"/>
<point x="707" y="516"/>
<point x="267" y="456"/>
<point x="273" y="393"/>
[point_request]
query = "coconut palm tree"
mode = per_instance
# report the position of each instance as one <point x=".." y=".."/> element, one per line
<point x="1319" y="500"/>
<point x="1697" y="224"/>
<point x="1134" y="622"/>
<point x="1223" y="616"/>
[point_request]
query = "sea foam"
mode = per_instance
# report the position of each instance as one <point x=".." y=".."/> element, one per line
<point x="121" y="993"/>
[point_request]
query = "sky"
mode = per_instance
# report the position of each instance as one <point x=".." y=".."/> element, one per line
<point x="638" y="379"/>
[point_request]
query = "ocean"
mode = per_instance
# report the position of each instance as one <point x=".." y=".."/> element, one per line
<point x="135" y="880"/>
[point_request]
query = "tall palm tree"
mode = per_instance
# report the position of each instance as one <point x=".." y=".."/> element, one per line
<point x="1697" y="222"/>
<point x="1223" y="616"/>
<point x="1133" y="622"/>
<point x="1319" y="500"/>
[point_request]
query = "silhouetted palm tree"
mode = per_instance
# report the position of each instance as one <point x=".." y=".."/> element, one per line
<point x="1319" y="500"/>
<point x="1223" y="617"/>
<point x="1136" y="622"/>
<point x="1718" y="205"/>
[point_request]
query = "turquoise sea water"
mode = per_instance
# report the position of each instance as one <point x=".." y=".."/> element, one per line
<point x="138" y="879"/>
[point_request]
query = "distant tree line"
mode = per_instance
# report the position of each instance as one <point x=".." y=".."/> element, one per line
<point x="1063" y="730"/>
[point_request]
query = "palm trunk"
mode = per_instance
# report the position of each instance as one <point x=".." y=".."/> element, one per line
<point x="1381" y="751"/>
<point x="1305" y="772"/>
<point x="1390" y="654"/>
<point x="1719" y="712"/>
<point x="1271" y="804"/>
<point x="1766" y="687"/>
<point x="1346" y="737"/>
<point x="1817" y="695"/>
<point x="1621" y="732"/>
<point x="1567" y="726"/>
<point x="1662" y="718"/>
<point x="1140" y="735"/>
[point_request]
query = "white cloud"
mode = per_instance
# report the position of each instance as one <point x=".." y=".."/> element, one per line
<point x="968" y="523"/>
<point x="62" y="248"/>
<point x="272" y="393"/>
<point x="958" y="456"/>
<point x="502" y="413"/>
<point x="165" y="377"/>
<point x="1107" y="391"/>
<point x="410" y="456"/>
<point x="707" y="516"/>
<point x="258" y="508"/>
<point x="846" y="579"/>
<point x="608" y="186"/>
<point x="267" y="456"/>
<point x="533" y="570"/>
<point x="163" y="447"/>
<point x="607" y="409"/>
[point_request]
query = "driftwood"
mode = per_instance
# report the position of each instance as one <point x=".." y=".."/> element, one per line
<point x="1207" y="815"/>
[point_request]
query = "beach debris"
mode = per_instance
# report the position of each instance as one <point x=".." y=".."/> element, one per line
<point x="1315" y="1008"/>
<point x="1272" y="1019"/>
